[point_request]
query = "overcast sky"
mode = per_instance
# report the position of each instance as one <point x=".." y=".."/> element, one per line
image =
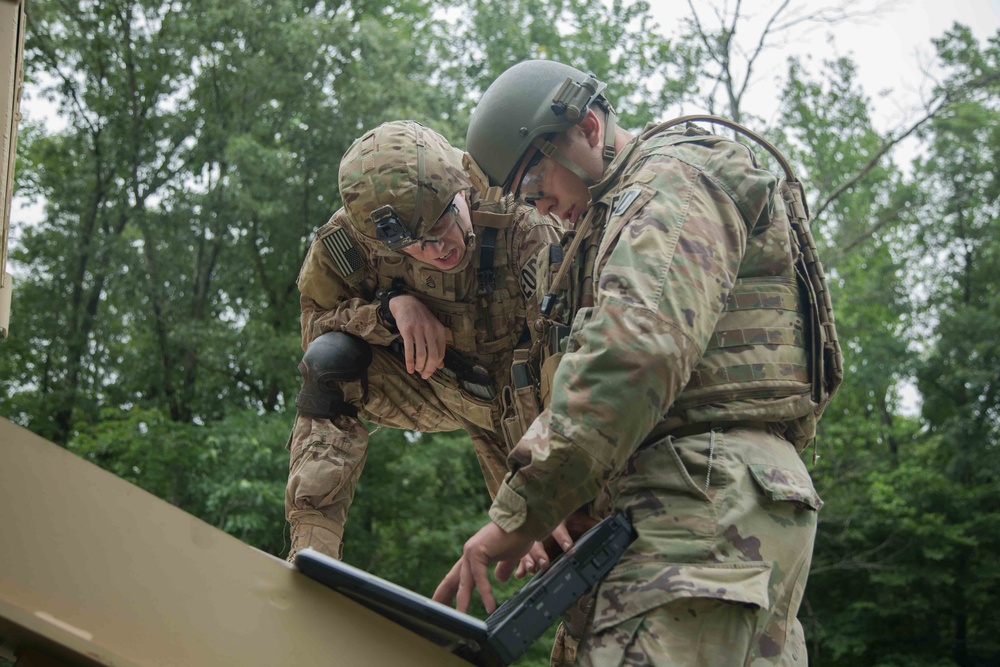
<point x="892" y="49"/>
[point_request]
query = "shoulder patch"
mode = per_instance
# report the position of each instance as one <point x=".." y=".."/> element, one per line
<point x="345" y="254"/>
<point x="623" y="200"/>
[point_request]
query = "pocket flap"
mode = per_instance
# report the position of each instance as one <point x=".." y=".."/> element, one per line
<point x="784" y="485"/>
<point x="636" y="590"/>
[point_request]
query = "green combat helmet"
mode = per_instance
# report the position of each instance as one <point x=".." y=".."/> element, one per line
<point x="397" y="180"/>
<point x="522" y="107"/>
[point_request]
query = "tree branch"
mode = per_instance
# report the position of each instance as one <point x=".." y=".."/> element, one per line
<point x="943" y="101"/>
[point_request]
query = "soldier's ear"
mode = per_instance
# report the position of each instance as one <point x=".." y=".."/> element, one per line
<point x="591" y="128"/>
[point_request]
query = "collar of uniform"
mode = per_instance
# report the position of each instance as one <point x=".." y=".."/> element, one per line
<point x="611" y="174"/>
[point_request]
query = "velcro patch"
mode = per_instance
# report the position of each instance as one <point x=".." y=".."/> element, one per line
<point x="345" y="254"/>
<point x="623" y="200"/>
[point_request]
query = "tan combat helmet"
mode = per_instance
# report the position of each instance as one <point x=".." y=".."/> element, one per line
<point x="397" y="180"/>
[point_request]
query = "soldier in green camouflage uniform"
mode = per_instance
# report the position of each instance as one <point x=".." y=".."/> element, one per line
<point x="414" y="297"/>
<point x="699" y="363"/>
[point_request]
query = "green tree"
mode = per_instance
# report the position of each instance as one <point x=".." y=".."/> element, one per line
<point x="114" y="68"/>
<point x="910" y="515"/>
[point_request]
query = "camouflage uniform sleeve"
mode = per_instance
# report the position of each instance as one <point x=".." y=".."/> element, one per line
<point x="330" y="303"/>
<point x="672" y="256"/>
<point x="534" y="233"/>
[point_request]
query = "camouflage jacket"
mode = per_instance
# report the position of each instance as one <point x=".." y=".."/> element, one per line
<point x="342" y="273"/>
<point x="687" y="232"/>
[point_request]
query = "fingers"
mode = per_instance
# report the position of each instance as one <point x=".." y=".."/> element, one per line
<point x="562" y="537"/>
<point x="473" y="576"/>
<point x="503" y="571"/>
<point x="419" y="355"/>
<point x="534" y="561"/>
<point x="445" y="591"/>
<point x="424" y="337"/>
<point x="408" y="348"/>
<point x="434" y="353"/>
<point x="482" y="581"/>
<point x="491" y="544"/>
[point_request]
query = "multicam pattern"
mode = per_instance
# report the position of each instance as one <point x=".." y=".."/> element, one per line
<point x="327" y="457"/>
<point x="688" y="228"/>
<point x="404" y="165"/>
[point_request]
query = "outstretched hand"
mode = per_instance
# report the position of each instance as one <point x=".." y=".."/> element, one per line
<point x="424" y="337"/>
<point x="490" y="545"/>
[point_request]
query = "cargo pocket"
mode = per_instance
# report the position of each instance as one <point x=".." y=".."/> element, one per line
<point x="325" y="462"/>
<point x="629" y="594"/>
<point x="784" y="485"/>
<point x="482" y="413"/>
<point x="610" y="646"/>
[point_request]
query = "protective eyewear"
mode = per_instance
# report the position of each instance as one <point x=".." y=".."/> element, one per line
<point x="529" y="189"/>
<point x="391" y="231"/>
<point x="441" y="228"/>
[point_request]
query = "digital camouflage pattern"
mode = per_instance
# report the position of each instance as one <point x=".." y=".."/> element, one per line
<point x="404" y="165"/>
<point x="338" y="293"/>
<point x="696" y="319"/>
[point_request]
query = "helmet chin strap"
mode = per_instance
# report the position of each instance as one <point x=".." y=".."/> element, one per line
<point x="550" y="150"/>
<point x="470" y="250"/>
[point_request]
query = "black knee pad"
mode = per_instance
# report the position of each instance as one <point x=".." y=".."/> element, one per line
<point x="330" y="359"/>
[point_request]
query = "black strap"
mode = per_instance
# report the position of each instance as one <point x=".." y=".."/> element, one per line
<point x="384" y="296"/>
<point x="486" y="275"/>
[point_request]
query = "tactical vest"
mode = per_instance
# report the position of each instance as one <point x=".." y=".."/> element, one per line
<point x="481" y="307"/>
<point x="774" y="355"/>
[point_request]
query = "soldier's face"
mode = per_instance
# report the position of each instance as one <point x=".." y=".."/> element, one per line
<point x="447" y="249"/>
<point x="552" y="188"/>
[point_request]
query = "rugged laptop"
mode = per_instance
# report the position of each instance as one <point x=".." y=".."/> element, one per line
<point x="514" y="626"/>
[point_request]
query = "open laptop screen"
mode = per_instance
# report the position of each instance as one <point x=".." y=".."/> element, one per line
<point x="514" y="626"/>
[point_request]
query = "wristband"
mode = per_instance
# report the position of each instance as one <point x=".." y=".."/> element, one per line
<point x="384" y="296"/>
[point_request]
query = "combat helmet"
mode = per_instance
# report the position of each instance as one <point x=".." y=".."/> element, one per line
<point x="397" y="180"/>
<point x="522" y="107"/>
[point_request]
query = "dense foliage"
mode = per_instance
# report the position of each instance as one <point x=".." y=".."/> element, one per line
<point x="155" y="330"/>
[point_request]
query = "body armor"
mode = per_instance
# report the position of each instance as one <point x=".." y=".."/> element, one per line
<point x="481" y="308"/>
<point x="774" y="355"/>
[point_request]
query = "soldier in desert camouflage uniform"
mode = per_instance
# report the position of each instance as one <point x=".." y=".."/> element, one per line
<point x="414" y="297"/>
<point x="701" y="357"/>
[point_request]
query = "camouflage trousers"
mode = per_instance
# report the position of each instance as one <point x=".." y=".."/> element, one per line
<point x="726" y="525"/>
<point x="327" y="456"/>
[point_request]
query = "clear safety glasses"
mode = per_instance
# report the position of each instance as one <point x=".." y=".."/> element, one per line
<point x="529" y="188"/>
<point x="443" y="225"/>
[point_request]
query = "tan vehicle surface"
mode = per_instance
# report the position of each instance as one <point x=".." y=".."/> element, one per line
<point x="12" y="20"/>
<point x="95" y="571"/>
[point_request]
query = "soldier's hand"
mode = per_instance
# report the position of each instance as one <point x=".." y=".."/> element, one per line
<point x="490" y="545"/>
<point x="543" y="553"/>
<point x="424" y="337"/>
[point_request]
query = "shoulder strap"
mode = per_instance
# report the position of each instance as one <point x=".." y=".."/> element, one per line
<point x="719" y="120"/>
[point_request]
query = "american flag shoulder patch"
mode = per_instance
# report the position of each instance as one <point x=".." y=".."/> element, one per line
<point x="345" y="254"/>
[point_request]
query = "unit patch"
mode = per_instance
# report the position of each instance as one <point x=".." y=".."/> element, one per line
<point x="345" y="254"/>
<point x="623" y="200"/>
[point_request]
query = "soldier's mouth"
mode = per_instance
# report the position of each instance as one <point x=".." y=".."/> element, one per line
<point x="446" y="257"/>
